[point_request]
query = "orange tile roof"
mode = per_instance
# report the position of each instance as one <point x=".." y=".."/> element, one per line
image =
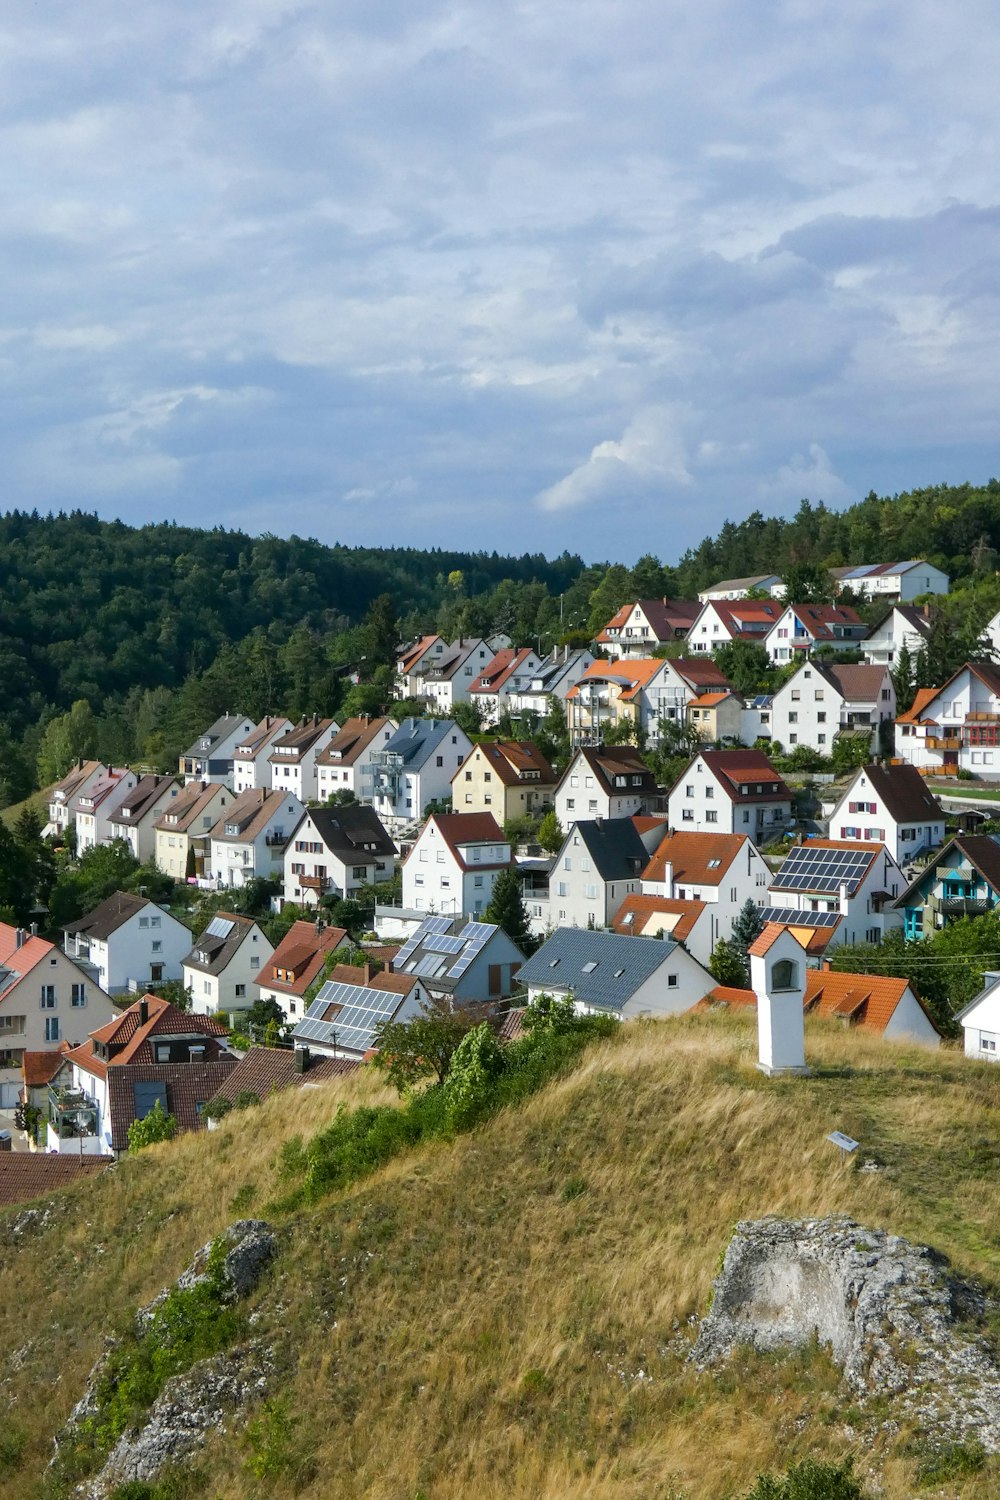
<point x="30" y="953"/>
<point x="393" y="983"/>
<point x="38" y="1068"/>
<point x="633" y="673"/>
<point x="693" y="855"/>
<point x="636" y="917"/>
<point x="867" y="1000"/>
<point x="916" y="708"/>
<point x="766" y="940"/>
<point x="303" y="952"/>
<point x="710" y="700"/>
<point x="458" y="829"/>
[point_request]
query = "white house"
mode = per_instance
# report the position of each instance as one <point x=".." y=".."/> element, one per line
<point x="332" y="851"/>
<point x="248" y="841"/>
<point x="134" y="819"/>
<point x="731" y="791"/>
<point x="890" y="805"/>
<point x="221" y="971"/>
<point x="453" y="674"/>
<point x="607" y="974"/>
<point x="823" y="701"/>
<point x="293" y="756"/>
<point x="76" y="781"/>
<point x="802" y="628"/>
<point x="858" y="882"/>
<point x="954" y="727"/>
<point x="453" y="865"/>
<point x="510" y="670"/>
<point x="980" y="1020"/>
<point x="346" y="763"/>
<point x="600" y="863"/>
<point x="738" y="588"/>
<point x="128" y="943"/>
<point x="905" y="627"/>
<point x="251" y="757"/>
<point x="299" y="961"/>
<point x="553" y="679"/>
<point x="45" y="1000"/>
<point x="415" y="768"/>
<point x="720" y="621"/>
<point x="93" y="806"/>
<point x="462" y="963"/>
<point x="212" y="756"/>
<point x="638" y="629"/>
<point x="609" y="781"/>
<point x="898" y="581"/>
<point x="342" y="1020"/>
<point x="413" y="664"/>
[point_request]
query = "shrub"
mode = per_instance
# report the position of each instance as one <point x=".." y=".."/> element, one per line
<point x="155" y="1127"/>
<point x="810" y="1480"/>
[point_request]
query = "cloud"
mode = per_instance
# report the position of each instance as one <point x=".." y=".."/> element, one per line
<point x="649" y="453"/>
<point x="805" y="476"/>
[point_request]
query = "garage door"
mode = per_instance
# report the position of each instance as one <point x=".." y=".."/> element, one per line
<point x="10" y="1095"/>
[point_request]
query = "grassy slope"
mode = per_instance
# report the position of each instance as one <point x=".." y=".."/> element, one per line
<point x="38" y="800"/>
<point x="473" y="1321"/>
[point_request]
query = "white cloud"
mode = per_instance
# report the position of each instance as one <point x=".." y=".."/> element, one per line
<point x="649" y="452"/>
<point x="805" y="476"/>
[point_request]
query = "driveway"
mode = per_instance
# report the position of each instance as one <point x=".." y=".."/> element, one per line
<point x="18" y="1140"/>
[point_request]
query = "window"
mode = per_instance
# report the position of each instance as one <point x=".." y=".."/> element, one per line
<point x="689" y="791"/>
<point x="821" y="718"/>
<point x="48" y="997"/>
<point x="468" y="775"/>
<point x="78" y="996"/>
<point x="793" y="718"/>
<point x="255" y="962"/>
<point x="241" y="991"/>
<point x="143" y="921"/>
<point x="711" y="816"/>
<point x="439" y="760"/>
<point x="52" y="1028"/>
<point x="785" y="975"/>
<point x="987" y="1043"/>
<point x="155" y="922"/>
<point x="710" y="791"/>
<point x="157" y="945"/>
<point x="671" y="981"/>
<point x="687" y="815"/>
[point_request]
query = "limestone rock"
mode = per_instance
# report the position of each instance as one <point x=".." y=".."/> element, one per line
<point x="889" y="1311"/>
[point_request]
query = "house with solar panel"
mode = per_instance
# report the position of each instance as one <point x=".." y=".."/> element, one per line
<point x="961" y="880"/>
<point x="840" y="890"/>
<point x="898" y="582"/>
<point x="731" y="791"/>
<point x="464" y="963"/>
<point x="152" y="1053"/>
<point x="341" y="1022"/>
<point x="222" y="969"/>
<point x="825" y="702"/>
<point x="414" y="768"/>
<point x="452" y="866"/>
<point x="604" y="973"/>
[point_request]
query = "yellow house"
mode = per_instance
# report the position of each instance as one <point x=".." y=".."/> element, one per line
<point x="717" y="715"/>
<point x="186" y="825"/>
<point x="508" y="778"/>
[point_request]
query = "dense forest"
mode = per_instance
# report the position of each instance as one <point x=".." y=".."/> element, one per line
<point x="124" y="641"/>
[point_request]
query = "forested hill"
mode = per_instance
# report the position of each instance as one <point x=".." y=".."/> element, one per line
<point x="957" y="528"/>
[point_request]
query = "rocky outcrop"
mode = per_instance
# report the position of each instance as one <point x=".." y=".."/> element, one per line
<point x="892" y="1313"/>
<point x="194" y="1403"/>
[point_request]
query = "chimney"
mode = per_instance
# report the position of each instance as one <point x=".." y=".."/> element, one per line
<point x="143" y="1011"/>
<point x="302" y="1059"/>
<point x="599" y="820"/>
<point x="844" y="898"/>
<point x="19" y="938"/>
<point x="34" y="929"/>
<point x="6" y="1143"/>
<point x="369" y="970"/>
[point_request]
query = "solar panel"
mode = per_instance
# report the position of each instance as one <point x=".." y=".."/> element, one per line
<point x="810" y="869"/>
<point x="147" y="1096"/>
<point x="429" y="927"/>
<point x="219" y="927"/>
<point x="792" y="918"/>
<point x="435" y="944"/>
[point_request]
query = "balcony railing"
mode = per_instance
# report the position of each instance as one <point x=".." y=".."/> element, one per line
<point x="315" y="882"/>
<point x="944" y="742"/>
<point x="963" y="906"/>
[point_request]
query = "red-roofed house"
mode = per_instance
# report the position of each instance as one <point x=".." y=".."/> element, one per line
<point x="510" y="671"/>
<point x="722" y="620"/>
<point x="822" y="702"/>
<point x="872" y="1002"/>
<point x="45" y="1000"/>
<point x="802" y="628"/>
<point x="151" y="1052"/>
<point x="954" y="727"/>
<point x="731" y="791"/>
<point x="454" y="863"/>
<point x="297" y="962"/>
<point x="637" y="629"/>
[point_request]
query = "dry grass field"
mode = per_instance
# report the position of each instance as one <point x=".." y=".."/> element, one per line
<point x="508" y="1313"/>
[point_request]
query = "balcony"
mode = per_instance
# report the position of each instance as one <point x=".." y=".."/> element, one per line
<point x="276" y="840"/>
<point x="72" y="1123"/>
<point x="944" y="742"/>
<point x="318" y="883"/>
<point x="964" y="906"/>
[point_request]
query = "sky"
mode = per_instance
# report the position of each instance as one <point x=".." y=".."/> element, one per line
<point x="529" y="276"/>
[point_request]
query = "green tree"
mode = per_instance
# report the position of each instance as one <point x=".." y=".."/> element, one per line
<point x="155" y="1127"/>
<point x="72" y="736"/>
<point x="424" y="1047"/>
<point x="810" y="1480"/>
<point x="381" y="632"/>
<point x="746" y="665"/>
<point x="550" y="834"/>
<point x="468" y="716"/>
<point x="808" y="583"/>
<point x="507" y="910"/>
<point x="728" y="966"/>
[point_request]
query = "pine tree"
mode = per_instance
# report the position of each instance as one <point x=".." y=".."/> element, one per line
<point x="747" y="928"/>
<point x="507" y="910"/>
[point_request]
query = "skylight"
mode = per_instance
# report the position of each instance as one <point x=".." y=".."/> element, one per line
<point x="589" y="968"/>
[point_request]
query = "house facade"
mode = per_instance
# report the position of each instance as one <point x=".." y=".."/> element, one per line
<point x="415" y="767"/>
<point x="293" y="756"/>
<point x="738" y="588"/>
<point x="76" y="781"/>
<point x="183" y="846"/>
<point x="134" y="819"/>
<point x="346" y="763"/>
<point x="221" y="971"/>
<point x="461" y="963"/>
<point x="453" y="865"/>
<point x="333" y="851"/>
<point x="955" y="727"/>
<point x="905" y="627"/>
<point x="731" y="791"/>
<point x="212" y="756"/>
<point x="553" y="679"/>
<point x="46" y="1000"/>
<point x="609" y="781"/>
<point x="251" y="757"/>
<point x="897" y="581"/>
<point x="249" y="840"/>
<point x="607" y="974"/>
<point x="859" y="882"/>
<point x="128" y="943"/>
<point x="505" y="778"/>
<point x="889" y="805"/>
<point x="93" y="806"/>
<point x="961" y="880"/>
<point x="802" y="629"/>
<point x="822" y="702"/>
<point x="600" y="863"/>
<point x="638" y="629"/>
<point x="720" y="621"/>
<point x="298" y="963"/>
<point x="980" y="1021"/>
<point x="511" y="669"/>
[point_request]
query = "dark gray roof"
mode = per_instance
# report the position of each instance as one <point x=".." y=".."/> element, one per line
<point x="417" y="739"/>
<point x="109" y="916"/>
<point x="351" y="831"/>
<point x="615" y="846"/>
<point x="222" y="728"/>
<point x="621" y="965"/>
<point x="217" y="946"/>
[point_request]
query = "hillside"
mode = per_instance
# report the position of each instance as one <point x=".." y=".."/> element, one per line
<point x="509" y="1314"/>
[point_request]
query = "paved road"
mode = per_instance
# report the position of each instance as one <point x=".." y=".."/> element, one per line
<point x="19" y="1141"/>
